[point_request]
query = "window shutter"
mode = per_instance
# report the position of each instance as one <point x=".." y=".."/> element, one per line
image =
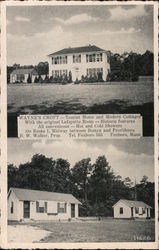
<point x="45" y="207"/>
<point x="65" y="208"/>
<point x="37" y="206"/>
<point x="58" y="207"/>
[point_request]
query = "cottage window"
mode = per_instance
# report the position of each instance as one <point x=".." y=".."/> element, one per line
<point x="87" y="58"/>
<point x="121" y="210"/>
<point x="143" y="210"/>
<point x="41" y="207"/>
<point x="94" y="71"/>
<point x="56" y="73"/>
<point x="136" y="210"/>
<point x="94" y="57"/>
<point x="76" y="58"/>
<point x="20" y="77"/>
<point x="12" y="207"/>
<point x="59" y="60"/>
<point x="61" y="207"/>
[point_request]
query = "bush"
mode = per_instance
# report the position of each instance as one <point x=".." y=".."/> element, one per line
<point x="40" y="80"/>
<point x="77" y="81"/>
<point x="36" y="80"/>
<point x="29" y="79"/>
<point x="70" y="77"/>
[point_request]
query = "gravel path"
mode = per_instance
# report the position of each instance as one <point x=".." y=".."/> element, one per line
<point x="26" y="233"/>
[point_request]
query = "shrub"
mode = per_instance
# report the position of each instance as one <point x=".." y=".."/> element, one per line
<point x="77" y="81"/>
<point x="40" y="80"/>
<point x="29" y="79"/>
<point x="70" y="77"/>
<point x="36" y="80"/>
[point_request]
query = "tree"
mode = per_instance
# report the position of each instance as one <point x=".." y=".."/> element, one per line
<point x="12" y="176"/>
<point x="101" y="180"/>
<point x="42" y="68"/>
<point x="144" y="180"/>
<point x="62" y="175"/>
<point x="80" y="176"/>
<point x="127" y="182"/>
<point x="146" y="192"/>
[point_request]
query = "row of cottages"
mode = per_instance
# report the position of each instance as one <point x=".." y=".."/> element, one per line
<point x="87" y="61"/>
<point x="41" y="205"/>
<point x="21" y="75"/>
<point x="124" y="209"/>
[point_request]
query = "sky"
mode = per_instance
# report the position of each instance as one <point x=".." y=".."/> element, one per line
<point x="128" y="158"/>
<point x="33" y="32"/>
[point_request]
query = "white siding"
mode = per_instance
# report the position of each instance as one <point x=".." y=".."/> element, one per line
<point x="126" y="211"/>
<point x="16" y="207"/>
<point x="52" y="213"/>
<point x="79" y="69"/>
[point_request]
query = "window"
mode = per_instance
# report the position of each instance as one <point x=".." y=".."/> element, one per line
<point x="94" y="57"/>
<point x="61" y="207"/>
<point x="12" y="207"/>
<point x="143" y="210"/>
<point x="121" y="210"/>
<point x="76" y="58"/>
<point x="20" y="77"/>
<point x="136" y="210"/>
<point x="60" y="72"/>
<point x="94" y="71"/>
<point x="41" y="207"/>
<point x="59" y="60"/>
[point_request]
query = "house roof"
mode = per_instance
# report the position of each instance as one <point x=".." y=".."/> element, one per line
<point x="132" y="203"/>
<point x="24" y="71"/>
<point x="35" y="195"/>
<point x="90" y="48"/>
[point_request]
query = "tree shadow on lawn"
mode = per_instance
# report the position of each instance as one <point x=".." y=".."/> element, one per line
<point x="115" y="106"/>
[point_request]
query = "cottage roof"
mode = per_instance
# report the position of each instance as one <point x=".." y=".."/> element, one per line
<point x="132" y="203"/>
<point x="35" y="195"/>
<point x="22" y="71"/>
<point x="90" y="48"/>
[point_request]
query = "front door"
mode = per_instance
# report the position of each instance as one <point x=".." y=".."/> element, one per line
<point x="148" y="213"/>
<point x="26" y="209"/>
<point x="132" y="212"/>
<point x="72" y="210"/>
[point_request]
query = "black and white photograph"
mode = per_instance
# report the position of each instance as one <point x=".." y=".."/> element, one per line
<point x="80" y="59"/>
<point x="91" y="191"/>
<point x="79" y="125"/>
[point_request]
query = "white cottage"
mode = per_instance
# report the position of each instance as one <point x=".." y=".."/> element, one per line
<point x="21" y="75"/>
<point x="131" y="209"/>
<point x="41" y="205"/>
<point x="87" y="61"/>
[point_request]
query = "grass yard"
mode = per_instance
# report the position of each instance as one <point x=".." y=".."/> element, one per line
<point x="109" y="230"/>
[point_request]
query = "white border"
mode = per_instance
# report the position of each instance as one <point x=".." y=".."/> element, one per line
<point x="126" y="245"/>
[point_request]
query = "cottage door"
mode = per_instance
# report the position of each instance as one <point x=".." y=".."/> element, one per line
<point x="26" y="209"/>
<point x="148" y="213"/>
<point x="72" y="210"/>
<point x="132" y="212"/>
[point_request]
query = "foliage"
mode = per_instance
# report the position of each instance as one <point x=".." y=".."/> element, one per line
<point x="129" y="66"/>
<point x="42" y="68"/>
<point x="70" y="77"/>
<point x="95" y="185"/>
<point x="29" y="79"/>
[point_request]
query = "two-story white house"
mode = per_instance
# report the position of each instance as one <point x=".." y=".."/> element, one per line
<point x="87" y="61"/>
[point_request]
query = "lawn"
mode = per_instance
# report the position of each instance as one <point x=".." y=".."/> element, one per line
<point x="109" y="230"/>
